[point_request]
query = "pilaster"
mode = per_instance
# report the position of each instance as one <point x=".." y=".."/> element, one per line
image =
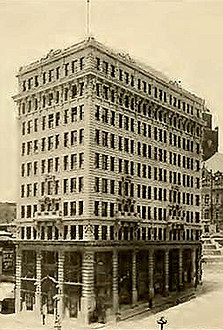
<point x="193" y="266"/>
<point x="38" y="283"/>
<point x="87" y="299"/>
<point x="60" y="285"/>
<point x="151" y="272"/>
<point x="166" y="272"/>
<point x="115" y="281"/>
<point x="18" y="280"/>
<point x="134" y="288"/>
<point x="180" y="269"/>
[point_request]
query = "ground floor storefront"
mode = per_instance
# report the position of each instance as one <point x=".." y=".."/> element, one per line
<point x="94" y="283"/>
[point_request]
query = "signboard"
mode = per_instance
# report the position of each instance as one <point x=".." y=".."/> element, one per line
<point x="7" y="260"/>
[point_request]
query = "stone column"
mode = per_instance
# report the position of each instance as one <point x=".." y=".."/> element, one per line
<point x="180" y="269"/>
<point x="60" y="285"/>
<point x="134" y="288"/>
<point x="68" y="233"/>
<point x="18" y="280"/>
<point x="108" y="233"/>
<point x="193" y="266"/>
<point x="100" y="232"/>
<point x="166" y="272"/>
<point x="115" y="282"/>
<point x="151" y="272"/>
<point x="77" y="232"/>
<point x="38" y="283"/>
<point x="87" y="299"/>
<point x="199" y="271"/>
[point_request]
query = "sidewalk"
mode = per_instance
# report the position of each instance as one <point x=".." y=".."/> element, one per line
<point x="29" y="321"/>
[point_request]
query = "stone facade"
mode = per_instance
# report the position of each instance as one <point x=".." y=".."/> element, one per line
<point x="212" y="201"/>
<point x="109" y="207"/>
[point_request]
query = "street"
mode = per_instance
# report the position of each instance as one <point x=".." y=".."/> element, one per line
<point x="204" y="312"/>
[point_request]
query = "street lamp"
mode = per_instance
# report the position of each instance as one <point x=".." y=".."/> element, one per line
<point x="162" y="321"/>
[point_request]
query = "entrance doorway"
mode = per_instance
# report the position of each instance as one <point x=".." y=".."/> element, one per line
<point x="48" y="303"/>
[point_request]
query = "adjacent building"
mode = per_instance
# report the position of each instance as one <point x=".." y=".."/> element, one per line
<point x="212" y="194"/>
<point x="210" y="137"/>
<point x="110" y="163"/>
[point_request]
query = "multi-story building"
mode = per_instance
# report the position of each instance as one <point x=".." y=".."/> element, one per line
<point x="210" y="137"/>
<point x="109" y="207"/>
<point x="212" y="194"/>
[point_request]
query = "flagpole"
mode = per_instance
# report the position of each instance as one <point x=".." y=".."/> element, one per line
<point x="88" y="19"/>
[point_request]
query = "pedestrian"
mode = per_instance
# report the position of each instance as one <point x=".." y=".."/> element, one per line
<point x="44" y="313"/>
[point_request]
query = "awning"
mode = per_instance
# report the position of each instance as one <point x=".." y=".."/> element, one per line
<point x="6" y="291"/>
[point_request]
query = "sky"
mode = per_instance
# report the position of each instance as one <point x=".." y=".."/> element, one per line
<point x="183" y="39"/>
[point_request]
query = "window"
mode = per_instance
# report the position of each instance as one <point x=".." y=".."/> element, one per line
<point x="104" y="209"/>
<point x="81" y="207"/>
<point x="73" y="138"/>
<point x="96" y="208"/>
<point x="57" y="119"/>
<point x="97" y="184"/>
<point x="97" y="112"/>
<point x="57" y="136"/>
<point x="81" y="160"/>
<point x="104" y="162"/>
<point x="22" y="190"/>
<point x="66" y="139"/>
<point x="22" y="211"/>
<point x="50" y="187"/>
<point x="66" y="116"/>
<point x="66" y="69"/>
<point x="73" y="114"/>
<point x="81" y="136"/>
<point x="104" y="139"/>
<point x="73" y="91"/>
<point x="42" y="188"/>
<point x="73" y="208"/>
<point x="120" y="143"/>
<point x="105" y="90"/>
<point x="97" y="159"/>
<point x="73" y="161"/>
<point x="50" y="142"/>
<point x="35" y="147"/>
<point x="35" y="164"/>
<point x="28" y="211"/>
<point x="112" y="141"/>
<point x="57" y="163"/>
<point x="65" y="209"/>
<point x="81" y="63"/>
<point x="73" y="185"/>
<point x="29" y="169"/>
<point x="104" y="115"/>
<point x="35" y="124"/>
<point x="120" y="120"/>
<point x="126" y="144"/>
<point x="65" y="186"/>
<point x="58" y="72"/>
<point x="112" y="164"/>
<point x="112" y="70"/>
<point x="81" y="184"/>
<point x="81" y="112"/>
<point x="50" y="165"/>
<point x="66" y="163"/>
<point x="104" y="185"/>
<point x="112" y="187"/>
<point x="98" y="87"/>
